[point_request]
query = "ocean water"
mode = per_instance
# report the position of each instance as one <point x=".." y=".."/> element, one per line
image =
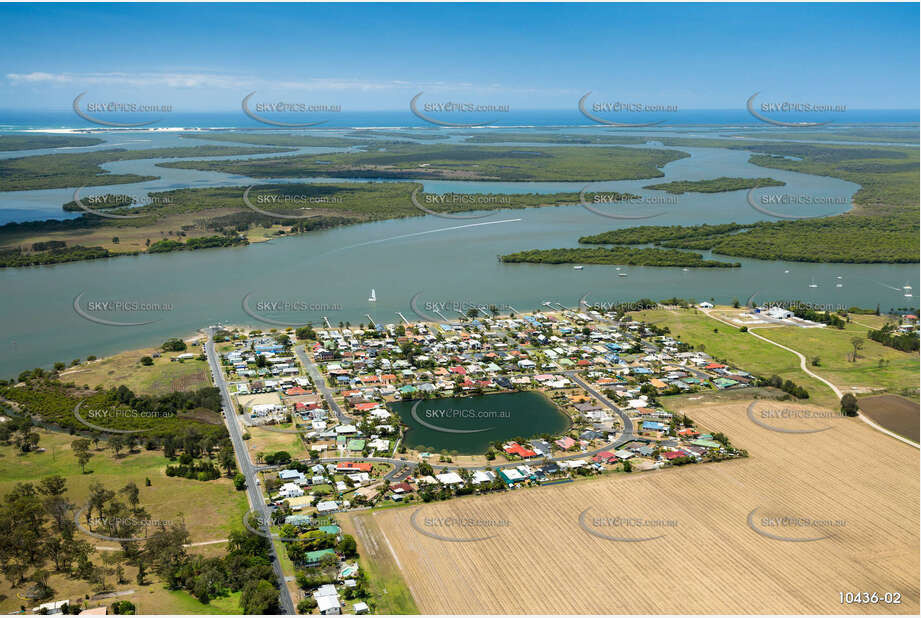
<point x="19" y="120"/>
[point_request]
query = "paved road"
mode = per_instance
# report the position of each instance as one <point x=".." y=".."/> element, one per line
<point x="625" y="420"/>
<point x="257" y="502"/>
<point x="320" y="383"/>
<point x="627" y="435"/>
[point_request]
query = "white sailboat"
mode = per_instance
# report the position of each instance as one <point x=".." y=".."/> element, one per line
<point x="373" y="297"/>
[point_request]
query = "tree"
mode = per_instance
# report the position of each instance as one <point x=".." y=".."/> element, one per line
<point x="239" y="481"/>
<point x="174" y="345"/>
<point x="146" y="361"/>
<point x="305" y="332"/>
<point x="347" y="546"/>
<point x="117" y="443"/>
<point x="849" y="405"/>
<point x="259" y="597"/>
<point x="81" y="450"/>
<point x="306" y="605"/>
<point x="857" y="344"/>
<point x="132" y="493"/>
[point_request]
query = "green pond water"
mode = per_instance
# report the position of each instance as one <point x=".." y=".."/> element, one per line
<point x="468" y="425"/>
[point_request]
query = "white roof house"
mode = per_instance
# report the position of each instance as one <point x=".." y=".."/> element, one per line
<point x="327" y="506"/>
<point x="327" y="600"/>
<point x="290" y="490"/>
<point x="262" y="409"/>
<point x="483" y="476"/>
<point x="779" y="313"/>
<point x="449" y="478"/>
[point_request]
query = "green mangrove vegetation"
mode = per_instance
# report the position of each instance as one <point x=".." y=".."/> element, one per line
<point x="219" y="217"/>
<point x="55" y="171"/>
<point x="287" y="140"/>
<point x="36" y="142"/>
<point x="714" y="185"/>
<point x="842" y="239"/>
<point x="445" y="161"/>
<point x="624" y="256"/>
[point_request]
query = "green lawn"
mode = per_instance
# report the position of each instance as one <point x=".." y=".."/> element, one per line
<point x="210" y="509"/>
<point x="181" y="602"/>
<point x="738" y="348"/>
<point x="897" y="373"/>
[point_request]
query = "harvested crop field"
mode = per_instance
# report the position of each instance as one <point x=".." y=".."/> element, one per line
<point x="563" y="549"/>
<point x="895" y="413"/>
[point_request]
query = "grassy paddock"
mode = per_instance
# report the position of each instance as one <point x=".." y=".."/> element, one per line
<point x="726" y="342"/>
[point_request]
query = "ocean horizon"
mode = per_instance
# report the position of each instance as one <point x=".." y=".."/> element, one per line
<point x="64" y="120"/>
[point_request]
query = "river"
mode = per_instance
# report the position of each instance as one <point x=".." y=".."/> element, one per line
<point x="441" y="262"/>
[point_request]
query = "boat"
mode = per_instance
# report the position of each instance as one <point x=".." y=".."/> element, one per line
<point x="621" y="274"/>
<point x="839" y="285"/>
<point x="577" y="268"/>
<point x="373" y="297"/>
<point x="813" y="284"/>
<point x="907" y="289"/>
<point x="685" y="269"/>
<point x="786" y="272"/>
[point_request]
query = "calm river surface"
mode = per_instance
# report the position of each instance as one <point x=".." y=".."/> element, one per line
<point x="440" y="262"/>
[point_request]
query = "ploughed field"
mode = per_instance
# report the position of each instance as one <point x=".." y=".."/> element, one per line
<point x="527" y="552"/>
<point x="895" y="413"/>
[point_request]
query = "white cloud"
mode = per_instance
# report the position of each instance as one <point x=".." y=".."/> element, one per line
<point x="180" y="80"/>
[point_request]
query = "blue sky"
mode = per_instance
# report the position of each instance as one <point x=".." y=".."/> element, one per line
<point x="529" y="56"/>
